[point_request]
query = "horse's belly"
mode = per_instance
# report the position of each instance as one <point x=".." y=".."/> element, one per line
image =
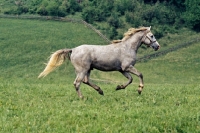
<point x="109" y="66"/>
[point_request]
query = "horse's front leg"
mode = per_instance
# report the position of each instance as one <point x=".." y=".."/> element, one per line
<point x="130" y="79"/>
<point x="132" y="70"/>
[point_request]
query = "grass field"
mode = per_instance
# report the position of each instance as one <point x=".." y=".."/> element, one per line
<point x="169" y="103"/>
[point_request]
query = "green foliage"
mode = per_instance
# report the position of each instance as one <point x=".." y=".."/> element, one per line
<point x="113" y="32"/>
<point x="121" y="14"/>
<point x="96" y="10"/>
<point x="133" y="18"/>
<point x="52" y="9"/>
<point x="114" y="21"/>
<point x="123" y="6"/>
<point x="17" y="10"/>
<point x="91" y="14"/>
<point x="192" y="14"/>
<point x="73" y="6"/>
<point x="42" y="10"/>
<point x="45" y="7"/>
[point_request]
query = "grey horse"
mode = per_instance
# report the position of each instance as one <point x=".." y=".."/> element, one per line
<point x="118" y="56"/>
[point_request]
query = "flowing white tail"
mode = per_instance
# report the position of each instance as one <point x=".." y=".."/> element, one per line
<point x="56" y="59"/>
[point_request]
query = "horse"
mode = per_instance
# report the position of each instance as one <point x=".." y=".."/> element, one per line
<point x="119" y="56"/>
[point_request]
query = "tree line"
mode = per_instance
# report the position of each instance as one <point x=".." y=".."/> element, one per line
<point x="165" y="15"/>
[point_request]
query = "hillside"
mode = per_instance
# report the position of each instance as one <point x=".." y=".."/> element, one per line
<point x="51" y="105"/>
<point x="113" y="17"/>
<point x="26" y="44"/>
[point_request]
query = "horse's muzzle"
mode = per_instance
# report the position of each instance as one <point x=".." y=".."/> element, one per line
<point x="155" y="46"/>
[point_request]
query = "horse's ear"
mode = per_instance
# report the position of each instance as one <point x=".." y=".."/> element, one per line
<point x="149" y="28"/>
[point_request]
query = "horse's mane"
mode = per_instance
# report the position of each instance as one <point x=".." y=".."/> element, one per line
<point x="129" y="33"/>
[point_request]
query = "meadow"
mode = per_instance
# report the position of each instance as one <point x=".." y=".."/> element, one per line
<point x="169" y="103"/>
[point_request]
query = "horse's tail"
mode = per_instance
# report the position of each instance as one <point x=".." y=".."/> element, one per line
<point x="56" y="59"/>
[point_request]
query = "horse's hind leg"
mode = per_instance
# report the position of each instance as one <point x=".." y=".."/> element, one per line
<point x="77" y="83"/>
<point x="130" y="79"/>
<point x="87" y="81"/>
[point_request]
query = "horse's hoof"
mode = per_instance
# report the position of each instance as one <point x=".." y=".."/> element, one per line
<point x="139" y="92"/>
<point x="81" y="97"/>
<point x="101" y="92"/>
<point x="119" y="87"/>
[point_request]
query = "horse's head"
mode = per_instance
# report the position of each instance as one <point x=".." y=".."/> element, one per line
<point x="150" y="40"/>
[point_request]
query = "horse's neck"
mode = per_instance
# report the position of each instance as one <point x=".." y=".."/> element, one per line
<point x="134" y="42"/>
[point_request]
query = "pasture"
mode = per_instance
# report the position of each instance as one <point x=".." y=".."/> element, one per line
<point x="169" y="102"/>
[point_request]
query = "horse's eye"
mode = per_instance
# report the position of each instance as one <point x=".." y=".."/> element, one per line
<point x="151" y="36"/>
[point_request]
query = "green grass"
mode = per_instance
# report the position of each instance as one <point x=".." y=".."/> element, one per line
<point x="169" y="103"/>
<point x="56" y="108"/>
